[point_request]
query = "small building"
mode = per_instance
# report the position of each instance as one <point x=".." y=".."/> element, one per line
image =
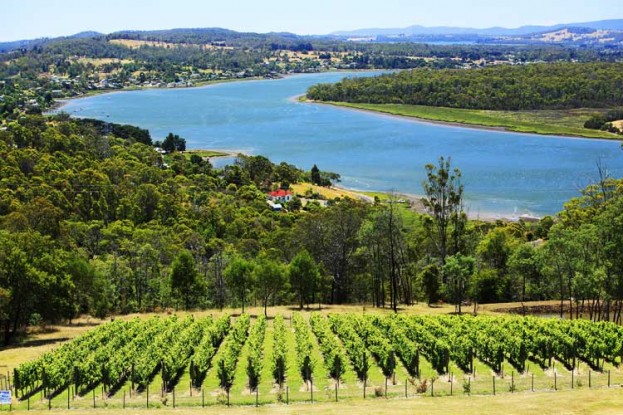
<point x="282" y="196"/>
<point x="274" y="206"/>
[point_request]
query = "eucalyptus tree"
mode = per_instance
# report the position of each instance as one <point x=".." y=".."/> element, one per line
<point x="239" y="274"/>
<point x="458" y="271"/>
<point x="270" y="278"/>
<point x="444" y="201"/>
<point x="382" y="235"/>
<point x="304" y="277"/>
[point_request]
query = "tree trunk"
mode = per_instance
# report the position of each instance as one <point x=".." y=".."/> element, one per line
<point x="7" y="332"/>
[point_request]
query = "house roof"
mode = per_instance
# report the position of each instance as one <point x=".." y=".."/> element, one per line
<point x="280" y="193"/>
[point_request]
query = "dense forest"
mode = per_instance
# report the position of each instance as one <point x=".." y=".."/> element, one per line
<point x="503" y="87"/>
<point x="92" y="221"/>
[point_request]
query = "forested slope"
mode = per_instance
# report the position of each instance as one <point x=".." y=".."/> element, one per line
<point x="501" y="87"/>
<point x="93" y="221"/>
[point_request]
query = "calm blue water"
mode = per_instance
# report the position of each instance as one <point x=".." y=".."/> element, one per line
<point x="504" y="173"/>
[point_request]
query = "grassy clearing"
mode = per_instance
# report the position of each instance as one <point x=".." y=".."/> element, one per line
<point x="205" y="153"/>
<point x="327" y="193"/>
<point x="547" y="122"/>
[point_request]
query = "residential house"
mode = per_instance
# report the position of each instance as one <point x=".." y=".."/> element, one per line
<point x="281" y="196"/>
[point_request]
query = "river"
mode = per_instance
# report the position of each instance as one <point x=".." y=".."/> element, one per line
<point x="505" y="174"/>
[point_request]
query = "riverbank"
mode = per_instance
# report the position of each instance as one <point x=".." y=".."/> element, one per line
<point x="59" y="103"/>
<point x="565" y="123"/>
<point x="209" y="153"/>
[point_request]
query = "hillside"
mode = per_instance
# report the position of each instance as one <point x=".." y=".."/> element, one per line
<point x="93" y="221"/>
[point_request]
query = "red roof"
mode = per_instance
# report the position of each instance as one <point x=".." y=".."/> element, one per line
<point x="280" y="193"/>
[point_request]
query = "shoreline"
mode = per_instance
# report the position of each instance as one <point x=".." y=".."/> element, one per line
<point x="416" y="204"/>
<point x="455" y="124"/>
<point x="224" y="153"/>
<point x="59" y="103"/>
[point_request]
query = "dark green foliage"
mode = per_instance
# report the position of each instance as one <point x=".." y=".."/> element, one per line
<point x="502" y="87"/>
<point x="184" y="278"/>
<point x="304" y="277"/>
<point x="323" y="178"/>
<point x="595" y="122"/>
<point x="431" y="281"/>
<point x="458" y="271"/>
<point x="173" y="142"/>
<point x="315" y="175"/>
<point x="602" y="121"/>
<point x="487" y="286"/>
<point x="260" y="170"/>
<point x="270" y="277"/>
<point x="127" y="132"/>
<point x="239" y="274"/>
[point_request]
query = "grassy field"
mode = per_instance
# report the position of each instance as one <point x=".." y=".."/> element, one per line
<point x="199" y="152"/>
<point x="556" y="391"/>
<point x="327" y="193"/>
<point x="549" y="122"/>
<point x="580" y="402"/>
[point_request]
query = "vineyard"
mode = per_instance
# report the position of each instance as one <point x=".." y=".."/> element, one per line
<point x="173" y="361"/>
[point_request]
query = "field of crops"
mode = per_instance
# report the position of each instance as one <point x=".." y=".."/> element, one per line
<point x="190" y="361"/>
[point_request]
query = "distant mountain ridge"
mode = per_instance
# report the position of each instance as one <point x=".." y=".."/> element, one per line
<point x="612" y="24"/>
<point x="31" y="43"/>
<point x="421" y="34"/>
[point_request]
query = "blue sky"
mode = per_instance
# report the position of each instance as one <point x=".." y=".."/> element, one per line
<point x="25" y="19"/>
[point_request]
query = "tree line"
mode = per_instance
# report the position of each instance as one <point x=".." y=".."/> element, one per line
<point x="94" y="223"/>
<point x="500" y="87"/>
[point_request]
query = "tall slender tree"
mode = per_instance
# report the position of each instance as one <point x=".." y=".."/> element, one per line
<point x="184" y="277"/>
<point x="304" y="276"/>
<point x="239" y="275"/>
<point x="444" y="201"/>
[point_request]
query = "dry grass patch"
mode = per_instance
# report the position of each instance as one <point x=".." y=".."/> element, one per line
<point x="585" y="402"/>
<point x="135" y="44"/>
<point x="327" y="193"/>
<point x="97" y="62"/>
